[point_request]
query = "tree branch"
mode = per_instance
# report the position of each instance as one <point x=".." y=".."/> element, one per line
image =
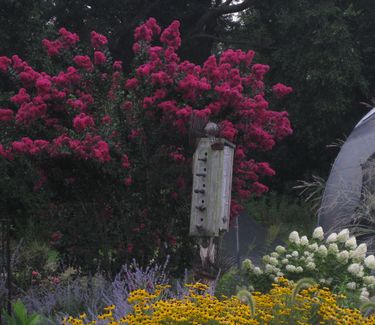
<point x="227" y="40"/>
<point x="215" y="12"/>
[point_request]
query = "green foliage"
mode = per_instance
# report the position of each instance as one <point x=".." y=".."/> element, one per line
<point x="314" y="46"/>
<point x="280" y="213"/>
<point x="34" y="256"/>
<point x="228" y="283"/>
<point x="21" y="317"/>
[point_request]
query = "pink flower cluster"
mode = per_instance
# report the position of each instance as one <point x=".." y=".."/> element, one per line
<point x="155" y="103"/>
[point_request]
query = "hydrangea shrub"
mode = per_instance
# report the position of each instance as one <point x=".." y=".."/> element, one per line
<point x="336" y="262"/>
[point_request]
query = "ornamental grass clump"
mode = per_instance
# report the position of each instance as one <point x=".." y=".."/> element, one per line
<point x="282" y="305"/>
<point x="336" y="262"/>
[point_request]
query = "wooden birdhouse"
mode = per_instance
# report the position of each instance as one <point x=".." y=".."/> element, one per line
<point x="212" y="186"/>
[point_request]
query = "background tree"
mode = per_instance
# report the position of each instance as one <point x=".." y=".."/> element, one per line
<point x="314" y="45"/>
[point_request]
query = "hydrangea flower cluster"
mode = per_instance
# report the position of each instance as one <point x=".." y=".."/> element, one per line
<point x="336" y="262"/>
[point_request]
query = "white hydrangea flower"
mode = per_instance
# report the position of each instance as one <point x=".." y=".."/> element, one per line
<point x="343" y="257"/>
<point x="273" y="261"/>
<point x="370" y="279"/>
<point x="332" y="238"/>
<point x="268" y="268"/>
<point x="284" y="261"/>
<point x="310" y="259"/>
<point x="310" y="266"/>
<point x="280" y="249"/>
<point x="294" y="237"/>
<point x="318" y="233"/>
<point x="333" y="248"/>
<point x="295" y="254"/>
<point x="247" y="264"/>
<point x="290" y="268"/>
<point x="279" y="274"/>
<point x="257" y="270"/>
<point x="274" y="254"/>
<point x="288" y="256"/>
<point x="370" y="262"/>
<point x="364" y="296"/>
<point x="322" y="251"/>
<point x="299" y="269"/>
<point x="266" y="258"/>
<point x="343" y="235"/>
<point x="359" y="253"/>
<point x="304" y="241"/>
<point x="351" y="243"/>
<point x="313" y="247"/>
<point x="351" y="285"/>
<point x="356" y="269"/>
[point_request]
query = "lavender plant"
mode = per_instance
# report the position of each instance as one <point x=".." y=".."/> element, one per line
<point x="89" y="295"/>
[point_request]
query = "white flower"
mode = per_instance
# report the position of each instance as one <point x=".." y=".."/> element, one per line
<point x="343" y="257"/>
<point x="310" y="266"/>
<point x="351" y="243"/>
<point x="280" y="274"/>
<point x="299" y="269"/>
<point x="294" y="237"/>
<point x="370" y="279"/>
<point x="274" y="254"/>
<point x="351" y="285"/>
<point x="370" y="262"/>
<point x="356" y="269"/>
<point x="313" y="247"/>
<point x="284" y="261"/>
<point x="343" y="235"/>
<point x="329" y="280"/>
<point x="333" y="248"/>
<point x="257" y="271"/>
<point x="359" y="253"/>
<point x="288" y="256"/>
<point x="266" y="258"/>
<point x="273" y="261"/>
<point x="304" y="241"/>
<point x="280" y="249"/>
<point x="310" y="259"/>
<point x="247" y="264"/>
<point x="295" y="254"/>
<point x="306" y="253"/>
<point x="364" y="296"/>
<point x="332" y="238"/>
<point x="290" y="268"/>
<point x="318" y="233"/>
<point x="322" y="251"/>
<point x="268" y="268"/>
<point x="322" y="281"/>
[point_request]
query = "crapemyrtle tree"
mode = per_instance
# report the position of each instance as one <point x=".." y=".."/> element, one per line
<point x="112" y="149"/>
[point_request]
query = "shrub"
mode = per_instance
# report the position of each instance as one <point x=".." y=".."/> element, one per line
<point x="336" y="262"/>
<point x="86" y="125"/>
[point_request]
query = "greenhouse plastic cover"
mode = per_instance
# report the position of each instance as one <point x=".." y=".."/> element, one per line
<point x="351" y="178"/>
